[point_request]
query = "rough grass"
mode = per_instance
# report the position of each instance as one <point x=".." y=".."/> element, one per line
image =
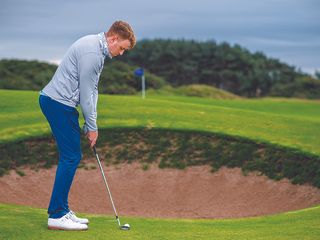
<point x="19" y="222"/>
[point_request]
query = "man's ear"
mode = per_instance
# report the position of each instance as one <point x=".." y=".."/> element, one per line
<point x="116" y="37"/>
<point x="113" y="38"/>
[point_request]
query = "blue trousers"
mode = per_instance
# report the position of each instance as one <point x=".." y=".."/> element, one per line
<point x="64" y="123"/>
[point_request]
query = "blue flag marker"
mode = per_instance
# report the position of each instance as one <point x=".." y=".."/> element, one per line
<point x="139" y="72"/>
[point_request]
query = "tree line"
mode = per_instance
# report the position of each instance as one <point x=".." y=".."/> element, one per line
<point x="231" y="68"/>
<point x="116" y="78"/>
<point x="178" y="63"/>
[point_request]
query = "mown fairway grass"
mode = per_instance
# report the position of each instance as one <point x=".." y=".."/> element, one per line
<point x="19" y="222"/>
<point x="293" y="123"/>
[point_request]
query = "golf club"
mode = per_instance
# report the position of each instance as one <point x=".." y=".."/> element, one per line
<point x="122" y="227"/>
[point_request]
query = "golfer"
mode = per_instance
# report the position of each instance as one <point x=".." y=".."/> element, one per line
<point x="76" y="83"/>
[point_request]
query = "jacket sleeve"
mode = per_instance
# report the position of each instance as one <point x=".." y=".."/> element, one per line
<point x="89" y="72"/>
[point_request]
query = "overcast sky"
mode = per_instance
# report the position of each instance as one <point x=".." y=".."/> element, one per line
<point x="284" y="29"/>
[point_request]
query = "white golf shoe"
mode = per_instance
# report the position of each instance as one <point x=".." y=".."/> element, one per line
<point x="65" y="223"/>
<point x="74" y="218"/>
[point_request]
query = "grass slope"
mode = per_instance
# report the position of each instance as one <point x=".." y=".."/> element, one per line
<point x="172" y="149"/>
<point x="193" y="90"/>
<point x="294" y="123"/>
<point x="19" y="222"/>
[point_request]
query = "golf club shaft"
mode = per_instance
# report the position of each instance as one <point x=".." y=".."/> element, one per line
<point x="106" y="183"/>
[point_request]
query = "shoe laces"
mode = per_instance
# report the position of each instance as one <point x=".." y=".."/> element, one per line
<point x="71" y="214"/>
<point x="65" y="218"/>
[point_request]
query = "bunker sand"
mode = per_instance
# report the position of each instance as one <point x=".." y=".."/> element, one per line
<point x="194" y="192"/>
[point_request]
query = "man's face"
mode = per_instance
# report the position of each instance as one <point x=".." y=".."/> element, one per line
<point x="117" y="46"/>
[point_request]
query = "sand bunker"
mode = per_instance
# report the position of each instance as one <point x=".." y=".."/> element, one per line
<point x="191" y="193"/>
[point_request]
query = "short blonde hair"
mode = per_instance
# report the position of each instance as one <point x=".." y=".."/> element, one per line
<point x="124" y="31"/>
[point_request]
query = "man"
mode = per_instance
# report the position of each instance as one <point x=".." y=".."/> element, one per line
<point x="76" y="82"/>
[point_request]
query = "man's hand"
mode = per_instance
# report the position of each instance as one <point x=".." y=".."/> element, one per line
<point x="92" y="138"/>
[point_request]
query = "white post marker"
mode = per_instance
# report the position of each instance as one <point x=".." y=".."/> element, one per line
<point x="143" y="87"/>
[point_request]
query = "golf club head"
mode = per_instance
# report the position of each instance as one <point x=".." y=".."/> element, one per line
<point x="125" y="227"/>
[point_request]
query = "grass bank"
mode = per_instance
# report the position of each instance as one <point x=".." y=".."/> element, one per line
<point x="174" y="149"/>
